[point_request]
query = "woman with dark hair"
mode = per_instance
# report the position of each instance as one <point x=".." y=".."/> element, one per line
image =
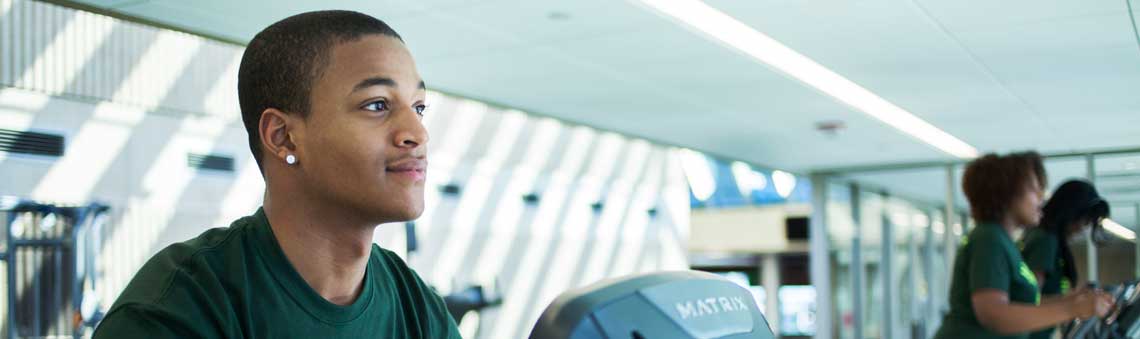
<point x="993" y="294"/>
<point x="1073" y="208"/>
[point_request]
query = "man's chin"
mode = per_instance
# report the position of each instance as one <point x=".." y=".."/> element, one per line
<point x="413" y="214"/>
<point x="408" y="213"/>
<point x="389" y="208"/>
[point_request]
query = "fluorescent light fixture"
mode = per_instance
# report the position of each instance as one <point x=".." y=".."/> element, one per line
<point x="726" y="29"/>
<point x="1118" y="230"/>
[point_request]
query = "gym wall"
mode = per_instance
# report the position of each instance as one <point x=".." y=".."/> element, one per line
<point x="542" y="206"/>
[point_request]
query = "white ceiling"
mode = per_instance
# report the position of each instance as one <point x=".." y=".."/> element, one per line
<point x="1052" y="75"/>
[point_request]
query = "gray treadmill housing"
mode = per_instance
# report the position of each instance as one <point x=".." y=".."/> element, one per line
<point x="684" y="304"/>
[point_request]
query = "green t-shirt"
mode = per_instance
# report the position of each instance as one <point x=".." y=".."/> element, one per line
<point x="236" y="282"/>
<point x="1041" y="250"/>
<point x="988" y="259"/>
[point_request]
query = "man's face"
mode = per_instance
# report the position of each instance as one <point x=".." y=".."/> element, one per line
<point x="363" y="145"/>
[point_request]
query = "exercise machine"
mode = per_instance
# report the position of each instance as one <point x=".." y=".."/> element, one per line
<point x="683" y="304"/>
<point x="1122" y="322"/>
<point x="49" y="255"/>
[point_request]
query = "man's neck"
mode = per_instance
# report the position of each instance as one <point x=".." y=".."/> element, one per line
<point x="330" y="253"/>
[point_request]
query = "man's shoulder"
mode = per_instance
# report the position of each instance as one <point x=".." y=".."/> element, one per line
<point x="174" y="290"/>
<point x="195" y="260"/>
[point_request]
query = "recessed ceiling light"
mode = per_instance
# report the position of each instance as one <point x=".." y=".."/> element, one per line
<point x="729" y="31"/>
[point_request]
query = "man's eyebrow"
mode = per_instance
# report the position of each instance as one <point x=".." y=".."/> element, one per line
<point x="374" y="81"/>
<point x="380" y="81"/>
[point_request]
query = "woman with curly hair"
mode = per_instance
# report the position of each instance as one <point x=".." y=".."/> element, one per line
<point x="993" y="294"/>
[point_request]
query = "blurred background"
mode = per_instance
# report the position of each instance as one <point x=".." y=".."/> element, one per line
<point x="809" y="150"/>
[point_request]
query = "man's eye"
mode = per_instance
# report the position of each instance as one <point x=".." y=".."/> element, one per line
<point x="420" y="109"/>
<point x="377" y="106"/>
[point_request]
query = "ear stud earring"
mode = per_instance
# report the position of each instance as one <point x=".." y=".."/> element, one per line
<point x="290" y="159"/>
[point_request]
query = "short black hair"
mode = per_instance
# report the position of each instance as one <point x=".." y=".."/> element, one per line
<point x="281" y="63"/>
<point x="993" y="182"/>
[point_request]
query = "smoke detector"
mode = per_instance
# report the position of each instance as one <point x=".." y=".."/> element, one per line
<point x="830" y="128"/>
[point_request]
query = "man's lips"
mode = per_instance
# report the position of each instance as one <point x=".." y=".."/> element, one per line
<point x="408" y="165"/>
<point x="415" y="168"/>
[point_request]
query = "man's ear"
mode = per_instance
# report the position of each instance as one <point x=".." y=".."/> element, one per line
<point x="276" y="137"/>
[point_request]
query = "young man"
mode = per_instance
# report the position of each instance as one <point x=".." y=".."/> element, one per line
<point x="332" y="102"/>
